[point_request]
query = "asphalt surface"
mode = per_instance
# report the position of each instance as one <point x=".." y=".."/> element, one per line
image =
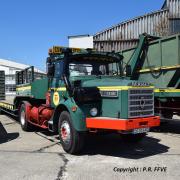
<point x="39" y="155"/>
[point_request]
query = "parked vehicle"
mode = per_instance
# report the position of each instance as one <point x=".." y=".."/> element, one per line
<point x="84" y="91"/>
<point x="157" y="61"/>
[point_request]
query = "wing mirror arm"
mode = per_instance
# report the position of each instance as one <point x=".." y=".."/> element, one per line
<point x="128" y="71"/>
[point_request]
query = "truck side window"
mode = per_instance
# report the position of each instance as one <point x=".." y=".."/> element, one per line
<point x="58" y="69"/>
<point x="113" y="69"/>
<point x="103" y="69"/>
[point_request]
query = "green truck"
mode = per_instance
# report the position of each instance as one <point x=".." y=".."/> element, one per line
<point x="157" y="61"/>
<point x="84" y="92"/>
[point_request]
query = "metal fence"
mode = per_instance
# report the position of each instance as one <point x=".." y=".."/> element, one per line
<point x="2" y="85"/>
<point x="28" y="75"/>
<point x="125" y="35"/>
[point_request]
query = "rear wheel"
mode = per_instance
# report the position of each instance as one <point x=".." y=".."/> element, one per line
<point x="25" y="125"/>
<point x="167" y="115"/>
<point x="1" y="112"/>
<point x="72" y="141"/>
<point x="133" y="137"/>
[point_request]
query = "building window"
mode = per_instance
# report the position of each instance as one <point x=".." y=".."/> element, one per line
<point x="10" y="88"/>
<point x="10" y="77"/>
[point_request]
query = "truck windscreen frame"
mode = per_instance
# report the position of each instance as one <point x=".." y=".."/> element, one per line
<point x="87" y="66"/>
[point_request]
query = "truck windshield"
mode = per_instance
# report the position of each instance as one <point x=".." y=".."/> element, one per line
<point x="79" y="68"/>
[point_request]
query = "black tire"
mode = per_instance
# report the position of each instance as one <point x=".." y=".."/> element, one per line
<point x="25" y="125"/>
<point x="73" y="141"/>
<point x="133" y="138"/>
<point x="1" y="112"/>
<point x="167" y="115"/>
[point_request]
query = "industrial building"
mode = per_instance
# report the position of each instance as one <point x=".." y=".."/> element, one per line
<point x="125" y="35"/>
<point x="81" y="41"/>
<point x="10" y="68"/>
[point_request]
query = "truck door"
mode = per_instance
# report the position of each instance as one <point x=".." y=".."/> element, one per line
<point x="57" y="85"/>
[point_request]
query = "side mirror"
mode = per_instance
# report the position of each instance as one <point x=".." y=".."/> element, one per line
<point x="128" y="71"/>
<point x="50" y="70"/>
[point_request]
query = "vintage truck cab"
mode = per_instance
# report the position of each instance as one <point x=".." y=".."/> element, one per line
<point x="90" y="91"/>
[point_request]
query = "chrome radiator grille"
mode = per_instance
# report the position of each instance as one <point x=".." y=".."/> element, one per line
<point x="140" y="103"/>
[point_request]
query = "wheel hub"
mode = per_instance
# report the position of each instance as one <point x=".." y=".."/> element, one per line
<point x="65" y="132"/>
<point x="22" y="117"/>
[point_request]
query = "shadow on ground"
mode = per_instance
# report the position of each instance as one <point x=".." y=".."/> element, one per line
<point x="6" y="137"/>
<point x="112" y="145"/>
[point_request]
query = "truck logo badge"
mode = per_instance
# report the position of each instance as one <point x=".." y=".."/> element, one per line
<point x="56" y="98"/>
<point x="111" y="94"/>
<point x="142" y="102"/>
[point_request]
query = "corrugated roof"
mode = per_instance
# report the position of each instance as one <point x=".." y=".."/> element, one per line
<point x="124" y="22"/>
<point x="164" y="5"/>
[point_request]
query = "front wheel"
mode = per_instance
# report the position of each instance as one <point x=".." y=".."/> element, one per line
<point x="1" y="112"/>
<point x="134" y="138"/>
<point x="72" y="141"/>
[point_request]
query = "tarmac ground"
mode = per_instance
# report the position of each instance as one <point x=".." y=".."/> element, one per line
<point x="39" y="155"/>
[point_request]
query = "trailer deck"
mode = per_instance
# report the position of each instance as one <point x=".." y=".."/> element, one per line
<point x="7" y="105"/>
<point x="8" y="100"/>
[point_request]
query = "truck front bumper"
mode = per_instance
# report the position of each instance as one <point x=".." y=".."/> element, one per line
<point x="122" y="124"/>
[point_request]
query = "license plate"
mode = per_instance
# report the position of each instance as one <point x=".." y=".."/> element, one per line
<point x="140" y="130"/>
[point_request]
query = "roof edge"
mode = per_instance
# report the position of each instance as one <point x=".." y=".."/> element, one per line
<point x="124" y="22"/>
<point x="81" y="35"/>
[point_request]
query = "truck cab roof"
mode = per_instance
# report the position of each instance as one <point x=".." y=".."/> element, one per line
<point x="57" y="53"/>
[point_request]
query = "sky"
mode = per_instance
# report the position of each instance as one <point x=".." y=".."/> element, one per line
<point x="28" y="28"/>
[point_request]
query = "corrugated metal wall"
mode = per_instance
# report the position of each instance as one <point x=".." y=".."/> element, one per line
<point x="174" y="15"/>
<point x="174" y="8"/>
<point x="125" y="35"/>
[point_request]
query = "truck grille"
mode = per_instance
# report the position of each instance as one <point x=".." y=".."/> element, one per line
<point x="140" y="103"/>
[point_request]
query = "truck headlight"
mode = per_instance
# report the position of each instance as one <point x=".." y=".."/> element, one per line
<point x="93" y="112"/>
